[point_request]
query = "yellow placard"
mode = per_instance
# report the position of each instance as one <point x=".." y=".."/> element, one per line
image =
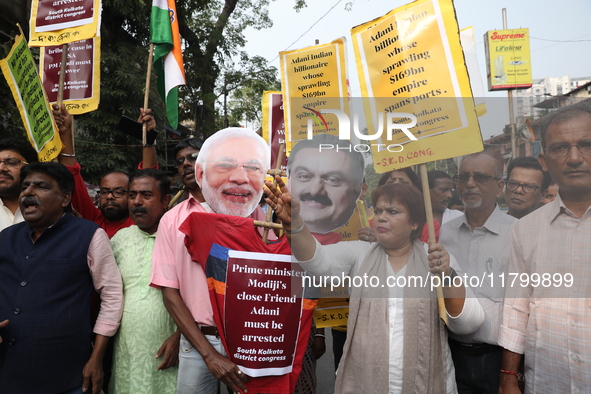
<point x="62" y="22"/>
<point x="312" y="74"/>
<point x="410" y="61"/>
<point x="24" y="82"/>
<point x="350" y="230"/>
<point x="508" y="60"/>
<point x="83" y="70"/>
<point x="332" y="309"/>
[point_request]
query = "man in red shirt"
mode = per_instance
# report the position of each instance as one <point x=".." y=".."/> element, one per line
<point x="112" y="213"/>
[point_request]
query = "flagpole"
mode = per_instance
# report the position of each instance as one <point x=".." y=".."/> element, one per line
<point x="147" y="92"/>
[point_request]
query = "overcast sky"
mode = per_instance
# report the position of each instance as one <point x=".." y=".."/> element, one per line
<point x="549" y="21"/>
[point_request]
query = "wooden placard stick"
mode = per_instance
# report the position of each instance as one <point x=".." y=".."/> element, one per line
<point x="268" y="225"/>
<point x="431" y="229"/>
<point x="60" y="88"/>
<point x="277" y="172"/>
<point x="176" y="198"/>
<point x="62" y="80"/>
<point x="147" y="92"/>
<point x="274" y="172"/>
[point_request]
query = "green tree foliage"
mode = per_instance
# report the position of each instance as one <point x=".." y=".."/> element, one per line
<point x="371" y="180"/>
<point x="247" y="90"/>
<point x="213" y="33"/>
<point x="11" y="124"/>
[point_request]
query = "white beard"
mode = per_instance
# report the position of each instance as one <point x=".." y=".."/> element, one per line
<point x="217" y="203"/>
<point x="473" y="204"/>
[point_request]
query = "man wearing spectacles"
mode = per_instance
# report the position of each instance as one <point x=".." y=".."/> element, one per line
<point x="527" y="184"/>
<point x="328" y="183"/>
<point x="112" y="213"/>
<point x="13" y="156"/>
<point x="549" y="326"/>
<point x="479" y="240"/>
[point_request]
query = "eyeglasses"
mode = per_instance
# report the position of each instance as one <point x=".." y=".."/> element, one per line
<point x="330" y="180"/>
<point x="557" y="151"/>
<point x="224" y="167"/>
<point x="512" y="186"/>
<point x="12" y="162"/>
<point x="478" y="178"/>
<point x="190" y="158"/>
<point x="117" y="193"/>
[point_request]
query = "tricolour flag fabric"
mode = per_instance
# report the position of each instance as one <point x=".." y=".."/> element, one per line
<point x="168" y="57"/>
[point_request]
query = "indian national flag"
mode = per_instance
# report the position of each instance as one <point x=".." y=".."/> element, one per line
<point x="168" y="57"/>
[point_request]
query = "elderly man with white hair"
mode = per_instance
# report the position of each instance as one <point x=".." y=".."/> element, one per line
<point x="230" y="170"/>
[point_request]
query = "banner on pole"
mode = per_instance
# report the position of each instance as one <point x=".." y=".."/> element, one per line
<point x="64" y="21"/>
<point x="508" y="59"/>
<point x="274" y="126"/>
<point x="411" y="70"/>
<point x="312" y="74"/>
<point x="24" y="82"/>
<point x="82" y="83"/>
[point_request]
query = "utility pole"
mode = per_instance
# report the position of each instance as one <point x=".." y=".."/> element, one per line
<point x="514" y="149"/>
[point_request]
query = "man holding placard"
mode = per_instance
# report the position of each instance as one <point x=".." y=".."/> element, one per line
<point x="479" y="240"/>
<point x="230" y="170"/>
<point x="112" y="213"/>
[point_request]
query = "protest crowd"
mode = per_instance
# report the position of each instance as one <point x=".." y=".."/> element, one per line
<point x="115" y="297"/>
<point x="475" y="279"/>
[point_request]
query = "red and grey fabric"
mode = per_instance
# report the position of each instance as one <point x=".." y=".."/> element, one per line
<point x="209" y="240"/>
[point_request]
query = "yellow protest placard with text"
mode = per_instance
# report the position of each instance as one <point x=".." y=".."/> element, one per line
<point x="412" y="72"/>
<point x="310" y="75"/>
<point x="350" y="230"/>
<point x="57" y="22"/>
<point x="508" y="60"/>
<point x="24" y="82"/>
<point x="332" y="309"/>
